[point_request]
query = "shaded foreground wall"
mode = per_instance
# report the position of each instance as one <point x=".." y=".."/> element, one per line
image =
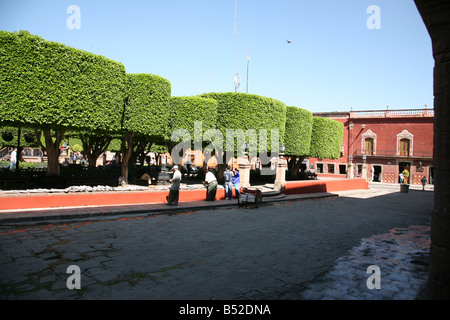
<point x="436" y="16"/>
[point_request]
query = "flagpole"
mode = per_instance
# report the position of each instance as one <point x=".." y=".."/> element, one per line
<point x="237" y="78"/>
<point x="248" y="62"/>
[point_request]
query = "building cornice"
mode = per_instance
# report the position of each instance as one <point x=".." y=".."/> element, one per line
<point x="399" y="113"/>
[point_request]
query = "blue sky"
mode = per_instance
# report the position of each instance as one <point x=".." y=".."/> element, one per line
<point x="334" y="61"/>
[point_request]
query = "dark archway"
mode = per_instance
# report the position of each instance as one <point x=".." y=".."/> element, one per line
<point x="436" y="16"/>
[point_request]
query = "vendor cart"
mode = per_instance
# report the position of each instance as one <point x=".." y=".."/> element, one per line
<point x="250" y="195"/>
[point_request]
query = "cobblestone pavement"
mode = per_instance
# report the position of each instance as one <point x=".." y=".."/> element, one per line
<point x="401" y="256"/>
<point x="311" y="249"/>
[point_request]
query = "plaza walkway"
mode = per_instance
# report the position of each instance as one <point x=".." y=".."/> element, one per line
<point x="291" y="249"/>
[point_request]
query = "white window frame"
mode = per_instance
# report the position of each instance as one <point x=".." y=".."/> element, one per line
<point x="405" y="134"/>
<point x="369" y="134"/>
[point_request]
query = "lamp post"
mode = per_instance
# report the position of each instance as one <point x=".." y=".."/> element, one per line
<point x="244" y="167"/>
<point x="280" y="178"/>
<point x="350" y="169"/>
<point x="364" y="167"/>
<point x="282" y="148"/>
<point x="245" y="147"/>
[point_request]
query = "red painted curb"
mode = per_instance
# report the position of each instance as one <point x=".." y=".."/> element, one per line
<point x="49" y="200"/>
<point x="301" y="187"/>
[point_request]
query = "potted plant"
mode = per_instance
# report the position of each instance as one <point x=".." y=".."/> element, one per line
<point x="406" y="175"/>
<point x="404" y="187"/>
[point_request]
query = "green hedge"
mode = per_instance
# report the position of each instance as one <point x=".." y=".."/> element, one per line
<point x="297" y="139"/>
<point x="185" y="111"/>
<point x="147" y="104"/>
<point x="326" y="138"/>
<point x="249" y="111"/>
<point x="23" y="142"/>
<point x="50" y="85"/>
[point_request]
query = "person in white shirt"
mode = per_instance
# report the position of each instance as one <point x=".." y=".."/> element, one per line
<point x="12" y="164"/>
<point x="172" y="199"/>
<point x="211" y="185"/>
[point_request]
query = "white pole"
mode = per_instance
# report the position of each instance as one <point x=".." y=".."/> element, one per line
<point x="248" y="63"/>
<point x="235" y="71"/>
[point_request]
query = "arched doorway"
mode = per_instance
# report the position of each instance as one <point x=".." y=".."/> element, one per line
<point x="404" y="166"/>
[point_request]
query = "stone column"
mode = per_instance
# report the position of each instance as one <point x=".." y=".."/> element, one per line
<point x="280" y="178"/>
<point x="436" y="16"/>
<point x="244" y="172"/>
<point x="350" y="170"/>
<point x="364" y="171"/>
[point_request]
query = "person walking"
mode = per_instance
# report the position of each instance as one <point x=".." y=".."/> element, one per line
<point x="236" y="180"/>
<point x="211" y="185"/>
<point x="424" y="181"/>
<point x="13" y="160"/>
<point x="228" y="176"/>
<point x="172" y="199"/>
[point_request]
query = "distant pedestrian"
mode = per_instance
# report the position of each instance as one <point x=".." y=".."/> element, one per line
<point x="402" y="177"/>
<point x="13" y="160"/>
<point x="211" y="185"/>
<point x="172" y="199"/>
<point x="236" y="180"/>
<point x="424" y="181"/>
<point x="228" y="176"/>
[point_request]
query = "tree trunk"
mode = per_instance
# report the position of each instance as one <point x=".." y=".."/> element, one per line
<point x="127" y="149"/>
<point x="221" y="167"/>
<point x="19" y="149"/>
<point x="94" y="147"/>
<point x="435" y="14"/>
<point x="294" y="166"/>
<point x="140" y="151"/>
<point x="52" y="149"/>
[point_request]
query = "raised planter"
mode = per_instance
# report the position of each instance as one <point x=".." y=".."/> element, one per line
<point x="404" y="188"/>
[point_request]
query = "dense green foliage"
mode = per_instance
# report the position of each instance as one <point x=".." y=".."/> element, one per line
<point x="61" y="90"/>
<point x="297" y="139"/>
<point x="249" y="111"/>
<point x="147" y="104"/>
<point x="185" y="111"/>
<point x="326" y="139"/>
<point x="48" y="84"/>
<point x="27" y="137"/>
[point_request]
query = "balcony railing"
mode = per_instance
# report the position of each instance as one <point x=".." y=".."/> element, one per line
<point x="392" y="113"/>
<point x="394" y="154"/>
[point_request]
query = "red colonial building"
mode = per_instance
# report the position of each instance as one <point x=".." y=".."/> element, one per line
<point x="382" y="143"/>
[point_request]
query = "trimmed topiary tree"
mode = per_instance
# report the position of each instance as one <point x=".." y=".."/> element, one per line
<point x="241" y="111"/>
<point x="145" y="114"/>
<point x="297" y="138"/>
<point x="326" y="138"/>
<point x="147" y="104"/>
<point x="53" y="87"/>
<point x="185" y="112"/>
